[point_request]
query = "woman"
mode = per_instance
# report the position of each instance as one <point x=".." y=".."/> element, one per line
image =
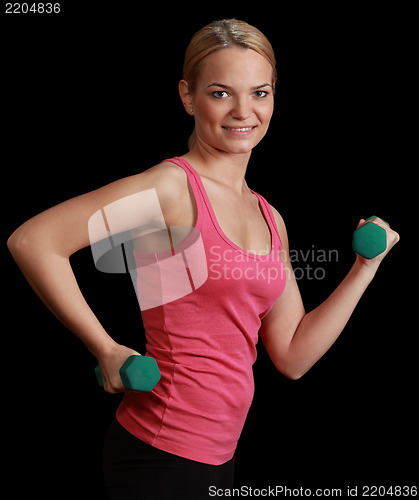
<point x="179" y="439"/>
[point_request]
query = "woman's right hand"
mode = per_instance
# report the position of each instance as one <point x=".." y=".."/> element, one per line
<point x="110" y="365"/>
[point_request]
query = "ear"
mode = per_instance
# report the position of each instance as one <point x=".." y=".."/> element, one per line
<point x="186" y="96"/>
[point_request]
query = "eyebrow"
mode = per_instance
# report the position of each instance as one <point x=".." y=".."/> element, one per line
<point x="229" y="88"/>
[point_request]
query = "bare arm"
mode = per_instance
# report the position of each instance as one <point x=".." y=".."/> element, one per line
<point x="43" y="245"/>
<point x="294" y="340"/>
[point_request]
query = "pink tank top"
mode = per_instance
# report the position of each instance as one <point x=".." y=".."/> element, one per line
<point x="205" y="342"/>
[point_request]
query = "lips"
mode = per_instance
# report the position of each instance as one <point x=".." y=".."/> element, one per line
<point x="242" y="129"/>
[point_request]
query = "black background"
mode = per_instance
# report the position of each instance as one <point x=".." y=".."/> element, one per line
<point x="89" y="96"/>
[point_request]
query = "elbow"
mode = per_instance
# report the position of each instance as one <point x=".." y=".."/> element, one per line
<point x="33" y="241"/>
<point x="289" y="369"/>
<point x="293" y="375"/>
<point x="292" y="372"/>
<point x="19" y="242"/>
<point x="14" y="243"/>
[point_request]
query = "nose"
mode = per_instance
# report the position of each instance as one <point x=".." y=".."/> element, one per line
<point x="241" y="108"/>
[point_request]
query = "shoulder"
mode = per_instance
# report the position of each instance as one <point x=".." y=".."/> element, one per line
<point x="160" y="176"/>
<point x="172" y="188"/>
<point x="171" y="185"/>
<point x="167" y="179"/>
<point x="166" y="176"/>
<point x="165" y="169"/>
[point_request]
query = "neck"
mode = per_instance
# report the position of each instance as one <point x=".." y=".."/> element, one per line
<point x="225" y="168"/>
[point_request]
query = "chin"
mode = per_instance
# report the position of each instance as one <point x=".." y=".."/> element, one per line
<point x="236" y="146"/>
<point x="240" y="147"/>
<point x="239" y="150"/>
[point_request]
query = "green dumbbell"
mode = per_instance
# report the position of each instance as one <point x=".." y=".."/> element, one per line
<point x="369" y="240"/>
<point x="138" y="373"/>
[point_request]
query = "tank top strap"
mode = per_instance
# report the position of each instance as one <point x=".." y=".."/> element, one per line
<point x="196" y="186"/>
<point x="270" y="219"/>
<point x="190" y="172"/>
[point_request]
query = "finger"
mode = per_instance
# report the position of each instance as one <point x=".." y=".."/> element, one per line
<point x="114" y="388"/>
<point x="392" y="236"/>
<point x="381" y="222"/>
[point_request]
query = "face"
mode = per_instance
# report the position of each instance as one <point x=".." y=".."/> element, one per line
<point x="232" y="100"/>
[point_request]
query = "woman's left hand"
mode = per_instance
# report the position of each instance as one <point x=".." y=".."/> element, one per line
<point x="392" y="238"/>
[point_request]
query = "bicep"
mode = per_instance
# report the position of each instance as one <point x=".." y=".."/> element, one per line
<point x="280" y="324"/>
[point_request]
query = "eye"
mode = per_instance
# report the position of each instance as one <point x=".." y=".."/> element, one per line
<point x="220" y="94"/>
<point x="260" y="93"/>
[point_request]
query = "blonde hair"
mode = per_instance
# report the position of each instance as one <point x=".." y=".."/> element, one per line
<point x="221" y="35"/>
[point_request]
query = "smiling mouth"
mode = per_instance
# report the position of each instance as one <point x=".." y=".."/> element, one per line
<point x="243" y="129"/>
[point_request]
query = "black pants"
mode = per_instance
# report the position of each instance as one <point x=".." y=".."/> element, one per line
<point x="134" y="470"/>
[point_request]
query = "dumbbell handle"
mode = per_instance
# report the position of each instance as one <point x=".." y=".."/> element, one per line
<point x="138" y="373"/>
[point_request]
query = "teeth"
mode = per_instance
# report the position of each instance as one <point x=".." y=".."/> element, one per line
<point x="240" y="129"/>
